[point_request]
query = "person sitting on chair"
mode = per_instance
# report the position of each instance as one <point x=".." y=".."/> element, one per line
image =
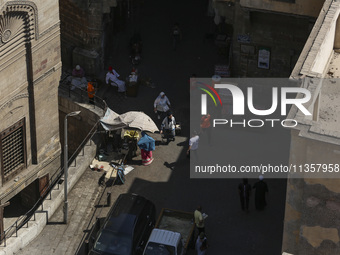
<point x="168" y="127"/>
<point x="112" y="79"/>
<point x="78" y="79"/>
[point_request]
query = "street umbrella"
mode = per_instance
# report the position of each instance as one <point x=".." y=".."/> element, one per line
<point x="138" y="120"/>
<point x="111" y="120"/>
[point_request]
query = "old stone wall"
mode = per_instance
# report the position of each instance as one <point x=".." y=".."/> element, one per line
<point x="299" y="7"/>
<point x="84" y="27"/>
<point x="283" y="36"/>
<point x="80" y="26"/>
<point x="30" y="66"/>
<point x="82" y="31"/>
<point x="78" y="126"/>
<point x="311" y="224"/>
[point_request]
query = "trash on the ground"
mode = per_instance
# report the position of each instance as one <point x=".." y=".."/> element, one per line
<point x="102" y="165"/>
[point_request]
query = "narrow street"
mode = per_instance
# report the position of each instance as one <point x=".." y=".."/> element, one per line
<point x="166" y="181"/>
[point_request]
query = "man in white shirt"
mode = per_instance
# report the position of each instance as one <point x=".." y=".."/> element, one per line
<point x="112" y="79"/>
<point x="193" y="144"/>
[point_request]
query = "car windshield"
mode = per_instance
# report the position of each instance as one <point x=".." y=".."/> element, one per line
<point x="159" y="249"/>
<point x="111" y="243"/>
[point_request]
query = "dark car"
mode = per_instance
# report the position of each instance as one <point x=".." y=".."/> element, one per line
<point x="127" y="226"/>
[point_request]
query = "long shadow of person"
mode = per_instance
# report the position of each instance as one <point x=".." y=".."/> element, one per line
<point x="158" y="143"/>
<point x="182" y="144"/>
<point x="170" y="165"/>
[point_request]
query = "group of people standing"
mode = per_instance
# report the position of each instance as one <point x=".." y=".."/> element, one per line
<point x="261" y="189"/>
<point x="244" y="188"/>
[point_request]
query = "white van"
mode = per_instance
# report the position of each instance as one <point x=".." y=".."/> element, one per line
<point x="164" y="242"/>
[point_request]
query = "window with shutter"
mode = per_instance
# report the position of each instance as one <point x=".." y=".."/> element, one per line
<point x="13" y="150"/>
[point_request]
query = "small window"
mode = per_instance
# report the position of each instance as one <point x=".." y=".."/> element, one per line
<point x="13" y="150"/>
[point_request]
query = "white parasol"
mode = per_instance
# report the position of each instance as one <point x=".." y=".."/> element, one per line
<point x="139" y="120"/>
<point x="132" y="119"/>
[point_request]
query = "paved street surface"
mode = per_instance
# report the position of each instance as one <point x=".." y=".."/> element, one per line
<point x="166" y="181"/>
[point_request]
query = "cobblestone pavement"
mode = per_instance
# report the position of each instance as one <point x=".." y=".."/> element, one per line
<point x="166" y="181"/>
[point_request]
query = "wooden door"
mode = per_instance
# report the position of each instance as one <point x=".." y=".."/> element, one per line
<point x="43" y="184"/>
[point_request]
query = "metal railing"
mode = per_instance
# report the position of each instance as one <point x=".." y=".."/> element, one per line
<point x="54" y="181"/>
<point x="80" y="94"/>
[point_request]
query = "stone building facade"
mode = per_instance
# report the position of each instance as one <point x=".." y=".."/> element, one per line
<point x="311" y="224"/>
<point x="84" y="31"/>
<point x="30" y="70"/>
<point x="267" y="35"/>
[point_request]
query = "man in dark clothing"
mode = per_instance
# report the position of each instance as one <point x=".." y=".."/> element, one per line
<point x="244" y="190"/>
<point x="261" y="189"/>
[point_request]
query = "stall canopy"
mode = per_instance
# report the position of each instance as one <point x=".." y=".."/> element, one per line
<point x="109" y="121"/>
<point x="132" y="119"/>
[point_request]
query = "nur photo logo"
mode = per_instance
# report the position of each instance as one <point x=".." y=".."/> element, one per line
<point x="204" y="96"/>
<point x="281" y="98"/>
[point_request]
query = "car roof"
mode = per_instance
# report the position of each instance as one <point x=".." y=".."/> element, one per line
<point x="124" y="214"/>
<point x="164" y="237"/>
<point x="128" y="204"/>
<point x="123" y="223"/>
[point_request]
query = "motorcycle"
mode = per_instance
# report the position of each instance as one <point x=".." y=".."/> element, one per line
<point x="135" y="49"/>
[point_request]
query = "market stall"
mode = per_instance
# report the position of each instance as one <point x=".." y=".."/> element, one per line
<point x="129" y="124"/>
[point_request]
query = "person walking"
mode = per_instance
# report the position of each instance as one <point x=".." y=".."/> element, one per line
<point x="199" y="220"/>
<point x="244" y="190"/>
<point x="261" y="189"/>
<point x="161" y="105"/>
<point x="168" y="127"/>
<point x="193" y="145"/>
<point x="201" y="244"/>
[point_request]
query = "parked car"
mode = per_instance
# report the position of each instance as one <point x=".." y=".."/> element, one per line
<point x="127" y="226"/>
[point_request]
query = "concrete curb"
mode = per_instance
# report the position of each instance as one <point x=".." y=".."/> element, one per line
<point x="28" y="233"/>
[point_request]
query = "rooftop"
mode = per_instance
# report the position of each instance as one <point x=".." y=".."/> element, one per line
<point x="319" y="70"/>
<point x="329" y="112"/>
